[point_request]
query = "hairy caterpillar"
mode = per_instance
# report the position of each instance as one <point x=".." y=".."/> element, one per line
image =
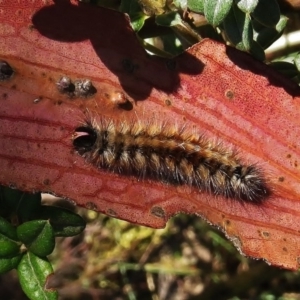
<point x="163" y="153"/>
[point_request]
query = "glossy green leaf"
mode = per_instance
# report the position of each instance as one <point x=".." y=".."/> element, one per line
<point x="9" y="245"/>
<point x="267" y="12"/>
<point x="170" y="19"/>
<point x="266" y="36"/>
<point x="247" y="6"/>
<point x="33" y="272"/>
<point x="7" y="230"/>
<point x="137" y="21"/>
<point x="38" y="236"/>
<point x="215" y="11"/>
<point x="133" y="9"/>
<point x="196" y="5"/>
<point x="7" y="264"/>
<point x="238" y="29"/>
<point x="64" y="222"/>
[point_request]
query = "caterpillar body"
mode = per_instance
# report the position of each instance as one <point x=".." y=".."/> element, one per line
<point x="167" y="154"/>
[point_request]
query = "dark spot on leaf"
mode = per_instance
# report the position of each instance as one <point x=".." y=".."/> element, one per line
<point x="265" y="234"/>
<point x="46" y="182"/>
<point x="168" y="102"/>
<point x="229" y="94"/>
<point x="91" y="206"/>
<point x="158" y="212"/>
<point x="111" y="212"/>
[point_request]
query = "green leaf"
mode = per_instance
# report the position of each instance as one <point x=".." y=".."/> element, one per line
<point x="7" y="230"/>
<point x="265" y="36"/>
<point x="257" y="51"/>
<point x="130" y="7"/>
<point x="286" y="68"/>
<point x="11" y="193"/>
<point x="172" y="44"/>
<point x="9" y="200"/>
<point x="238" y="29"/>
<point x="137" y="21"/>
<point x="267" y="12"/>
<point x="215" y="11"/>
<point x="7" y="264"/>
<point x="247" y="6"/>
<point x="169" y="19"/>
<point x="181" y="4"/>
<point x="64" y="222"/>
<point x="9" y="246"/>
<point x="29" y="206"/>
<point x="196" y="5"/>
<point x="25" y="205"/>
<point x="133" y="9"/>
<point x="33" y="272"/>
<point x="38" y="236"/>
<point x="297" y="61"/>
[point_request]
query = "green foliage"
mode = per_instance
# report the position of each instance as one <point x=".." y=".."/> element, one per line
<point x="216" y="11"/>
<point x="33" y="272"/>
<point x="8" y="239"/>
<point x="238" y="28"/>
<point x="241" y="23"/>
<point x="167" y="28"/>
<point x="289" y="65"/>
<point x="37" y="236"/>
<point x="27" y="236"/>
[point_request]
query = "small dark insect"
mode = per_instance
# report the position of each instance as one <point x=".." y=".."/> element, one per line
<point x="84" y="88"/>
<point x="65" y="85"/>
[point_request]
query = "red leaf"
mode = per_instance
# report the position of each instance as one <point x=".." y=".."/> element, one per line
<point x="221" y="92"/>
